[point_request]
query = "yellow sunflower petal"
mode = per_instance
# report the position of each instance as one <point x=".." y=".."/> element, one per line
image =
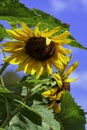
<point x="63" y="50"/>
<point x="71" y="69"/>
<point x="57" y="77"/>
<point x="34" y="68"/>
<point x="13" y="43"/>
<point x="59" y="95"/>
<point x="52" y="97"/>
<point x="49" y="67"/>
<point x="61" y="36"/>
<point x="16" y="35"/>
<point x="70" y="80"/>
<point x="15" y="58"/>
<point x="56" y="107"/>
<point x="30" y="66"/>
<point x="40" y="70"/>
<point x="63" y="58"/>
<point x="48" y="41"/>
<point x="57" y="63"/>
<point x="12" y="60"/>
<point x="51" y="104"/>
<point x="24" y="64"/>
<point x="37" y="31"/>
<point x="27" y="29"/>
<point x="22" y="34"/>
<point x="50" y="92"/>
<point x="12" y="47"/>
<point x="50" y="33"/>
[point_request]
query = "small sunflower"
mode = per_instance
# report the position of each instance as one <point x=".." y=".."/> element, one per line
<point x="36" y="51"/>
<point x="54" y="96"/>
<point x="63" y="84"/>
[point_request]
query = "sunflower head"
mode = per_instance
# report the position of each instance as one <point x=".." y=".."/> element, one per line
<point x="37" y="51"/>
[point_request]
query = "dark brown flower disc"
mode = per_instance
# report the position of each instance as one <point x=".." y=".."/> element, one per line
<point x="36" y="47"/>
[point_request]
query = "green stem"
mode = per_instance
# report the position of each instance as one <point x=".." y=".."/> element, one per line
<point x="3" y="67"/>
<point x="14" y="112"/>
<point x="11" y="115"/>
<point x="2" y="81"/>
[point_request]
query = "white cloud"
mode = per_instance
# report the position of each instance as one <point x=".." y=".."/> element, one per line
<point x="58" y="5"/>
<point x="68" y="5"/>
<point x="81" y="83"/>
<point x="79" y="89"/>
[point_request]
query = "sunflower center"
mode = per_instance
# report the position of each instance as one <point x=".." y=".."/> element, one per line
<point x="36" y="47"/>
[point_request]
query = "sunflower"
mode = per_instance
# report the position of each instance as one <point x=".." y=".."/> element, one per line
<point x="63" y="84"/>
<point x="37" y="51"/>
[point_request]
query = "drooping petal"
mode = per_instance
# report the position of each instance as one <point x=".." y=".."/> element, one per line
<point x="71" y="69"/>
<point x="50" y="92"/>
<point x="63" y="58"/>
<point x="49" y="67"/>
<point x="40" y="70"/>
<point x="63" y="50"/>
<point x="70" y="80"/>
<point x="56" y="107"/>
<point x="57" y="63"/>
<point x="58" y="79"/>
<point x="24" y="64"/>
<point x="59" y="95"/>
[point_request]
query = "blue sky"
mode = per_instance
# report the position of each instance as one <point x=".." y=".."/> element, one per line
<point x="73" y="12"/>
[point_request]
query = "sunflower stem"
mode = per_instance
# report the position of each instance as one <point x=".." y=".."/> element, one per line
<point x="3" y="67"/>
<point x="14" y="112"/>
<point x="2" y="81"/>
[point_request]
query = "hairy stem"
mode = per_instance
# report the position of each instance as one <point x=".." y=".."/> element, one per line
<point x="3" y="67"/>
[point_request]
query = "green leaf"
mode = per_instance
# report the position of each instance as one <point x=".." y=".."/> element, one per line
<point x="28" y="125"/>
<point x="2" y="32"/>
<point x="4" y="90"/>
<point x="76" y="44"/>
<point x="17" y="126"/>
<point x="3" y="112"/>
<point x="72" y="117"/>
<point x="31" y="113"/>
<point x="15" y="12"/>
<point x="47" y="115"/>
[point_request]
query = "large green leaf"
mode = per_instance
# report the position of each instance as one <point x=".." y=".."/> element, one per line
<point x="3" y="112"/>
<point x="47" y="115"/>
<point x="75" y="43"/>
<point x="2" y="32"/>
<point x="31" y="113"/>
<point x="15" y="12"/>
<point x="27" y="125"/>
<point x="72" y="117"/>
